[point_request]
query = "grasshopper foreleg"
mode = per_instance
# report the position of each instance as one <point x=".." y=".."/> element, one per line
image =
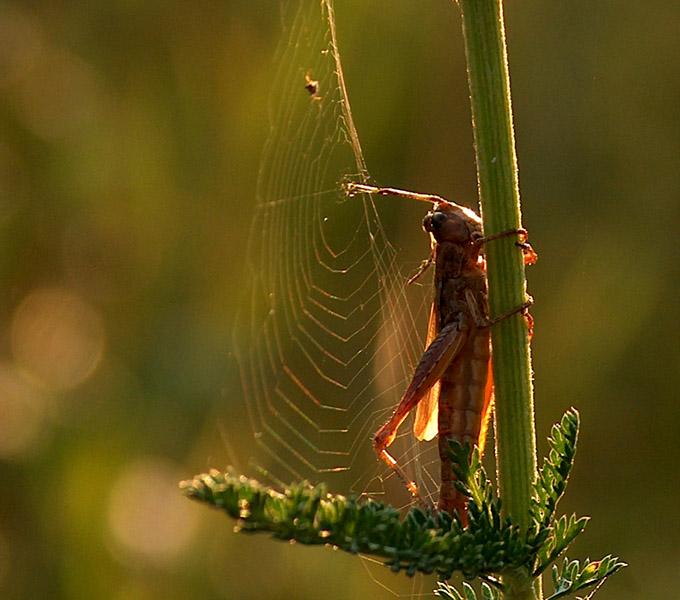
<point x="530" y="256"/>
<point x="424" y="266"/>
<point x="481" y="321"/>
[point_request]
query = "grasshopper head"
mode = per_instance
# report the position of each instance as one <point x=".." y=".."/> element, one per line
<point x="452" y="223"/>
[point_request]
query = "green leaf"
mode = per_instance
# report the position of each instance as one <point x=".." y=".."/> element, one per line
<point x="469" y="591"/>
<point x="553" y="475"/>
<point x="489" y="593"/>
<point x="562" y="533"/>
<point x="573" y="578"/>
<point x="446" y="591"/>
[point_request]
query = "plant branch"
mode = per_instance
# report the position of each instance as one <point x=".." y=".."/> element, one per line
<point x="421" y="541"/>
<point x="427" y="542"/>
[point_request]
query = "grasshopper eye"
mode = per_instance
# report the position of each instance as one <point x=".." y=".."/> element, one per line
<point x="434" y="221"/>
<point x="438" y="219"/>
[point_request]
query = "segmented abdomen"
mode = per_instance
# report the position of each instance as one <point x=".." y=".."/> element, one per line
<point x="462" y="399"/>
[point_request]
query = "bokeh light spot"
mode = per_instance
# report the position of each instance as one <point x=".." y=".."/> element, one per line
<point x="22" y="413"/>
<point x="148" y="518"/>
<point x="57" y="338"/>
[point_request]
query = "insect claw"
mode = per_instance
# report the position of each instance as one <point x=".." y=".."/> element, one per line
<point x="530" y="256"/>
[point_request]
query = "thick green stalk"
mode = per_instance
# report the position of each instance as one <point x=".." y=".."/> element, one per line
<point x="484" y="33"/>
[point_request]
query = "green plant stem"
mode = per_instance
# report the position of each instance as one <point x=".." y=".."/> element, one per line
<point x="484" y="34"/>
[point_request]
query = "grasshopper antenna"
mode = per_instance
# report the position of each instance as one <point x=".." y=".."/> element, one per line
<point x="360" y="188"/>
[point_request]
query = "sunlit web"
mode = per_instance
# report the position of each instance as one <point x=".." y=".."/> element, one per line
<point x="326" y="339"/>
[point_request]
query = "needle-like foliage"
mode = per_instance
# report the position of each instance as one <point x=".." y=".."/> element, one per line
<point x="422" y="541"/>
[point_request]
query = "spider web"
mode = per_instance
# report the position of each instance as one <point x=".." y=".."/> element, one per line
<point x="326" y="339"/>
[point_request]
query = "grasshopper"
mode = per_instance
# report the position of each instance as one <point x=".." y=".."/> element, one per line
<point x="452" y="386"/>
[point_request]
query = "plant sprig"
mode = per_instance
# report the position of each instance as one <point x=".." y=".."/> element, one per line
<point x="421" y="541"/>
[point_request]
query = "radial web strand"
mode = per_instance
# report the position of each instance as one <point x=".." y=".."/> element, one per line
<point x="326" y="339"/>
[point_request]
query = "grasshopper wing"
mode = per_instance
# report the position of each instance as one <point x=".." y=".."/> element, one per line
<point x="486" y="411"/>
<point x="425" y="422"/>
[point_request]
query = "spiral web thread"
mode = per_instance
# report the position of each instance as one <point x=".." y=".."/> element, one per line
<point x="326" y="339"/>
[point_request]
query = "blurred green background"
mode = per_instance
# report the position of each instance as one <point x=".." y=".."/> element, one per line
<point x="129" y="147"/>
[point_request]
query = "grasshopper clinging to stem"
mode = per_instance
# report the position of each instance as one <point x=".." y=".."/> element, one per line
<point x="452" y="387"/>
